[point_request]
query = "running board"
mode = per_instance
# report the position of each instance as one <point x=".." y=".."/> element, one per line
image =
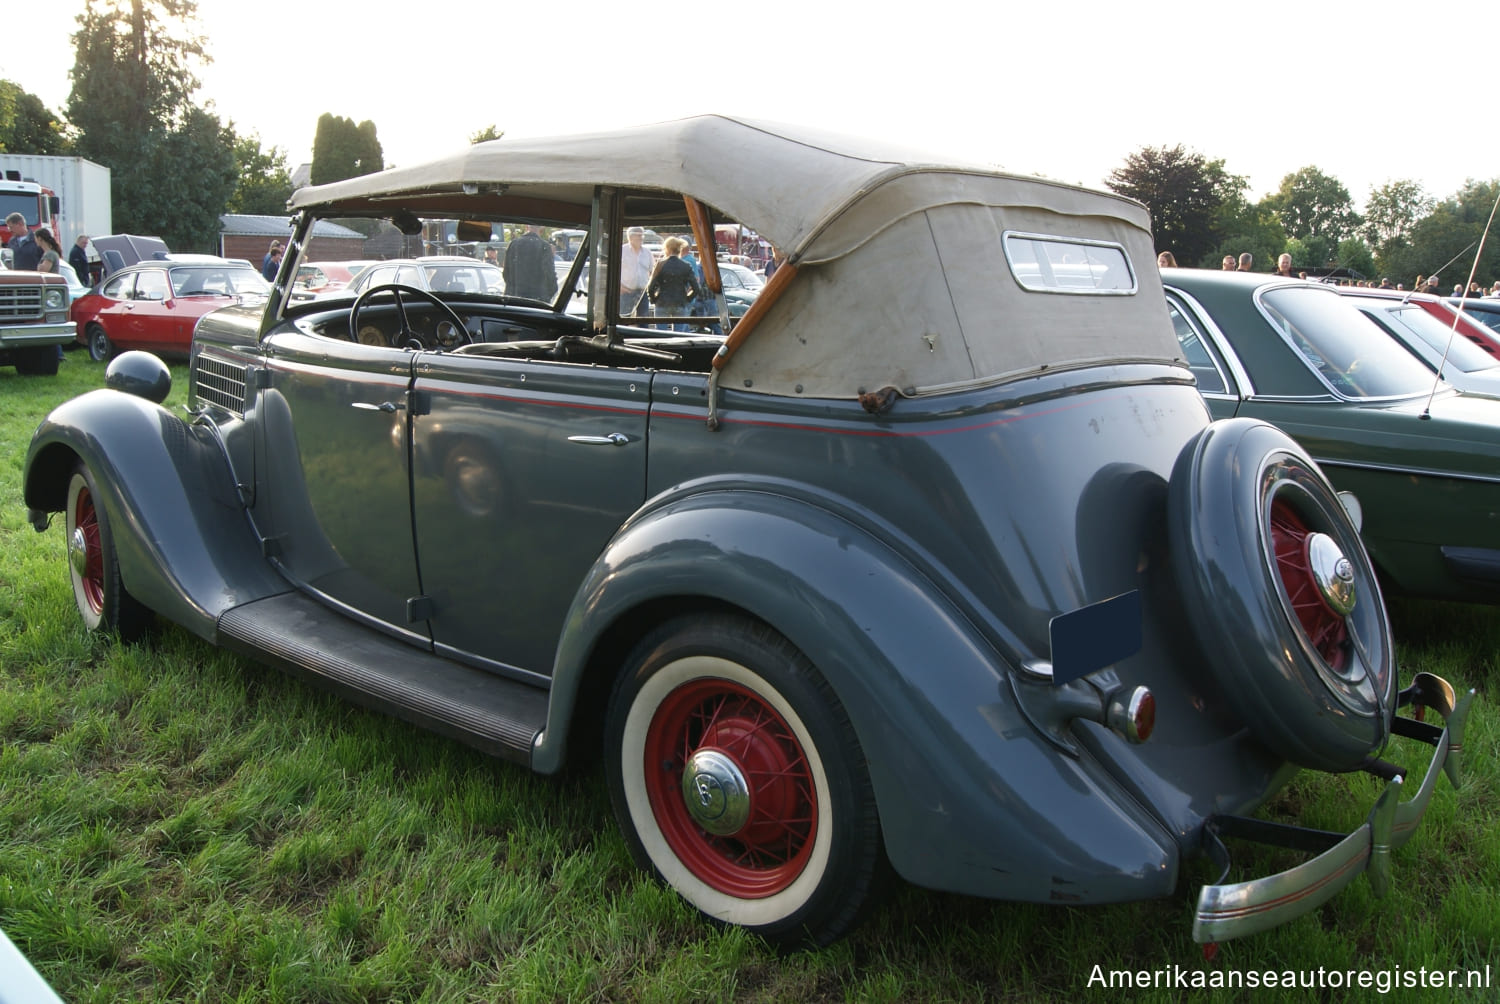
<point x="298" y="634"/>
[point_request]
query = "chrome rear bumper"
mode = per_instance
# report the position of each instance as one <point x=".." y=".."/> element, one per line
<point x="1237" y="909"/>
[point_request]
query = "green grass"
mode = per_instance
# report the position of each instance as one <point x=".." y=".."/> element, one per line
<point x="177" y="823"/>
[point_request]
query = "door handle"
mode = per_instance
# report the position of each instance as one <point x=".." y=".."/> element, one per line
<point x="613" y="439"/>
<point x="386" y="406"/>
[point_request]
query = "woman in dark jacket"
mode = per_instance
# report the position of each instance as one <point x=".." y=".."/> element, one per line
<point x="673" y="285"/>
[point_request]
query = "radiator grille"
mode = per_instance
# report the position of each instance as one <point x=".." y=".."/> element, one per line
<point x="21" y="302"/>
<point x="221" y="384"/>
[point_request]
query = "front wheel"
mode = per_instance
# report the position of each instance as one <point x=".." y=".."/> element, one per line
<point x="738" y="780"/>
<point x="94" y="566"/>
<point x="38" y="360"/>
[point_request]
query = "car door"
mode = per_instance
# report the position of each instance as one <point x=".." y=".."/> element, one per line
<point x="334" y="503"/>
<point x="109" y="314"/>
<point x="523" y="470"/>
<point x="148" y="316"/>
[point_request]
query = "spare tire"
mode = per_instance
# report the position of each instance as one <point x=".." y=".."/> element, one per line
<point x="1282" y="596"/>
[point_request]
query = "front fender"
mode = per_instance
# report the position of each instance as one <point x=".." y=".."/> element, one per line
<point x="186" y="547"/>
<point x="971" y="797"/>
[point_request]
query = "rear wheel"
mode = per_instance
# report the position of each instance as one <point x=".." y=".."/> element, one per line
<point x="738" y="780"/>
<point x="100" y="347"/>
<point x="94" y="567"/>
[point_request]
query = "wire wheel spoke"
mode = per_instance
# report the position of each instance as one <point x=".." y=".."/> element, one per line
<point x="1328" y="632"/>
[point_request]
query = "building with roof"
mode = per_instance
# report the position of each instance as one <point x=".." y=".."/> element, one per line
<point x="250" y="237"/>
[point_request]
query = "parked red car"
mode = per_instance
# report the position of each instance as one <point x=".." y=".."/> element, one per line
<point x="318" y="278"/>
<point x="155" y="305"/>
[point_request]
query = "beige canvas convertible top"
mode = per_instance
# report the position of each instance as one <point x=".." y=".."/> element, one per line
<point x="903" y="278"/>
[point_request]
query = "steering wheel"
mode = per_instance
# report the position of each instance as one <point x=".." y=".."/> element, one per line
<point x="405" y="336"/>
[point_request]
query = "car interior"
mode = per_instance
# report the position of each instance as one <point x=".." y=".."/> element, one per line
<point x="462" y="313"/>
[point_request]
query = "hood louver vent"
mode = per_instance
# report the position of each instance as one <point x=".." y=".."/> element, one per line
<point x="220" y="384"/>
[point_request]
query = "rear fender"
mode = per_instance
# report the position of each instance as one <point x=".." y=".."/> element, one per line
<point x="971" y="797"/>
<point x="186" y="547"/>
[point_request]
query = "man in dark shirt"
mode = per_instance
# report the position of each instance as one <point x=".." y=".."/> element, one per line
<point x="78" y="257"/>
<point x="26" y="252"/>
<point x="529" y="267"/>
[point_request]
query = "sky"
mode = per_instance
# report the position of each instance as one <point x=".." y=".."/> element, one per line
<point x="1066" y="90"/>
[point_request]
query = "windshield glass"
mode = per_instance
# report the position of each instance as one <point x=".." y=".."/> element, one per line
<point x="1462" y="353"/>
<point x="215" y="280"/>
<point x="19" y="202"/>
<point x="1350" y="350"/>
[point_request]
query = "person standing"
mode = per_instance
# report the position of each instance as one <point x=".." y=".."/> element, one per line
<point x="530" y="269"/>
<point x="1284" y="266"/>
<point x="78" y="257"/>
<point x="271" y="264"/>
<point x="51" y="251"/>
<point x="51" y="260"/>
<point x="672" y="285"/>
<point x="25" y="252"/>
<point x="636" y="265"/>
<point x="1246" y="260"/>
<point x="778" y="258"/>
<point x="1227" y="265"/>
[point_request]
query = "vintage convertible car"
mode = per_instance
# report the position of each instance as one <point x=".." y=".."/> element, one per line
<point x="1418" y="456"/>
<point x="894" y="573"/>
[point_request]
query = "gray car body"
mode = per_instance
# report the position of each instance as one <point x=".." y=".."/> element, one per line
<point x="510" y="520"/>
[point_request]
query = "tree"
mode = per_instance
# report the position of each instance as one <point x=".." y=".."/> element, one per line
<point x="1391" y="212"/>
<point x="1313" y="204"/>
<point x="342" y="149"/>
<point x="264" y="183"/>
<point x="27" y="125"/>
<point x="1447" y="240"/>
<point x="131" y="74"/>
<point x="1355" y="254"/>
<point x="486" y="134"/>
<point x="1241" y="226"/>
<point x="1183" y="191"/>
<point x="1312" y="252"/>
<point x="172" y="161"/>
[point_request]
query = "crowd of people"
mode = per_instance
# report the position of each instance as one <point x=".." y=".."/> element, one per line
<point x="1425" y="284"/>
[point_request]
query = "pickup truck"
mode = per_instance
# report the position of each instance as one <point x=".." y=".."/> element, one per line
<point x="33" y="321"/>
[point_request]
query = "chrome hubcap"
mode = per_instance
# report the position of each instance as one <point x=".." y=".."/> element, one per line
<point x="78" y="552"/>
<point x="1333" y="573"/>
<point x="717" y="796"/>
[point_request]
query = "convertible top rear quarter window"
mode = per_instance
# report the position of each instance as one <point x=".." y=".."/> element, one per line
<point x="1069" y="265"/>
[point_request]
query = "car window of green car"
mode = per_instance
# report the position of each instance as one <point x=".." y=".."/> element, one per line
<point x="1205" y="370"/>
<point x="1354" y="355"/>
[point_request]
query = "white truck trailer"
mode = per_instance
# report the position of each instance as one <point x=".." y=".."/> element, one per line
<point x="82" y="188"/>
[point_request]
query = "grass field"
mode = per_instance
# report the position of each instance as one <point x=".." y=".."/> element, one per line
<point x="178" y="824"/>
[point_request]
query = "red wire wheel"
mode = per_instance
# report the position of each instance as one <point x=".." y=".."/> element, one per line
<point x="1325" y="627"/>
<point x="84" y="553"/>
<point x="93" y="565"/>
<point x="738" y="780"/>
<point x="1281" y="595"/>
<point x="768" y="849"/>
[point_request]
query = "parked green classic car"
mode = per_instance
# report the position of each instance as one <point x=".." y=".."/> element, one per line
<point x="1422" y="459"/>
<point x="893" y="573"/>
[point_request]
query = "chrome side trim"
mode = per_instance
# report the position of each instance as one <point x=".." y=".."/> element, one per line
<point x="1416" y="472"/>
<point x="1237" y="909"/>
